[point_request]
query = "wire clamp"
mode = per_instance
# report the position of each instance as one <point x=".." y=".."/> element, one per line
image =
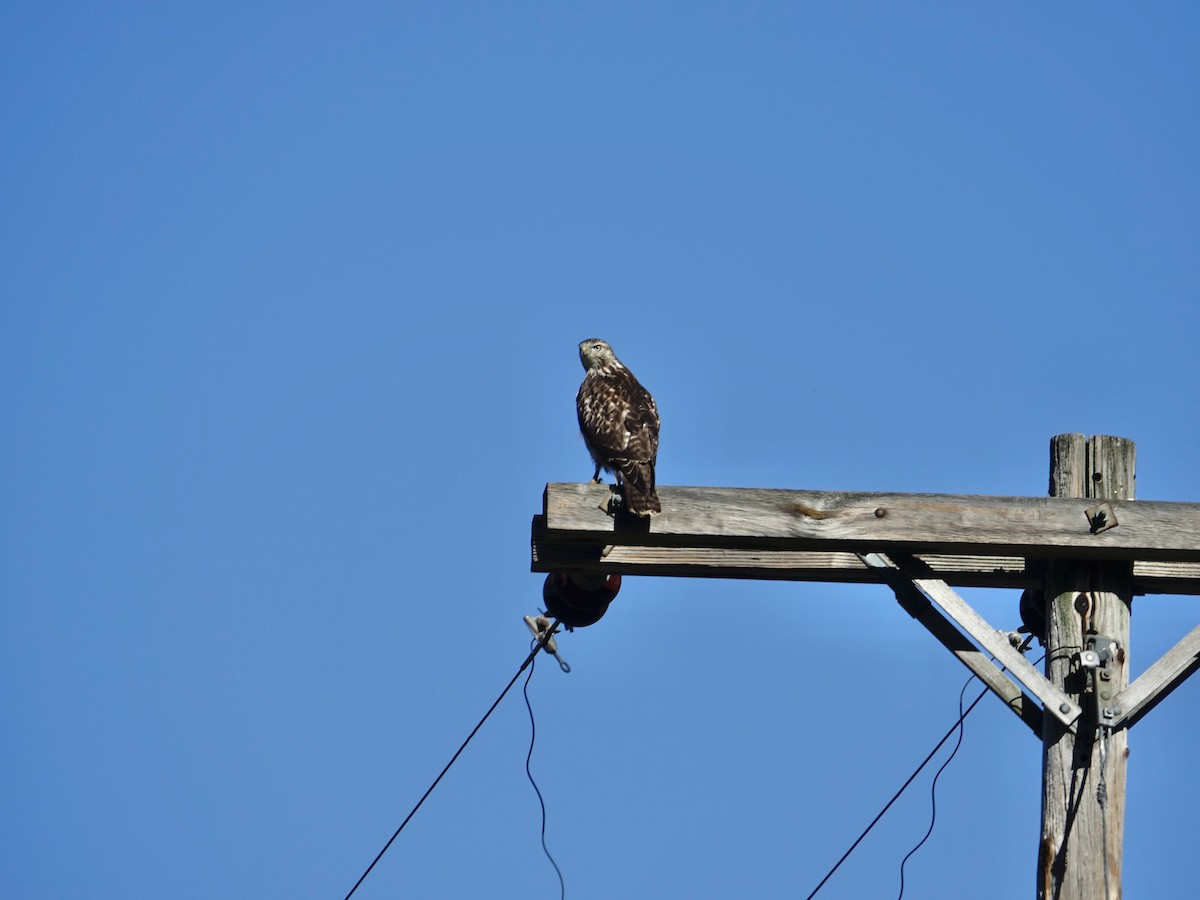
<point x="1099" y="655"/>
<point x="543" y="631"/>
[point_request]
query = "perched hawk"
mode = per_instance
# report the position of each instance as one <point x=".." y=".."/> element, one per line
<point x="619" y="422"/>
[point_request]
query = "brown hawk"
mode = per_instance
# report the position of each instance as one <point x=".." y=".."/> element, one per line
<point x="619" y="422"/>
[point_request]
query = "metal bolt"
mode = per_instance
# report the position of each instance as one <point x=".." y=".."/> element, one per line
<point x="1064" y="708"/>
<point x="880" y="513"/>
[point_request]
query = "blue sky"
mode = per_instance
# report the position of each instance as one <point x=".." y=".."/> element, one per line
<point x="288" y="352"/>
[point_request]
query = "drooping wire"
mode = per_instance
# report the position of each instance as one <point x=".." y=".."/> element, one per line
<point x="540" y="643"/>
<point x="896" y="796"/>
<point x="911" y="778"/>
<point x="933" y="787"/>
<point x="562" y="885"/>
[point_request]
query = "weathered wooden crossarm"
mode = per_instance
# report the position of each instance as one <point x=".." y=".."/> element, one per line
<point x="555" y="554"/>
<point x="551" y="554"/>
<point x="766" y="519"/>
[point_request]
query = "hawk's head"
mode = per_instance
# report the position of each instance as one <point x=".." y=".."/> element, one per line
<point x="596" y="354"/>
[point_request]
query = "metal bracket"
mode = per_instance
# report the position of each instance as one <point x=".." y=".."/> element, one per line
<point x="1101" y="517"/>
<point x="539" y="626"/>
<point x="1099" y="655"/>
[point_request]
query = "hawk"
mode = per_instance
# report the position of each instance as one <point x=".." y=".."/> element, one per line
<point x="619" y="422"/>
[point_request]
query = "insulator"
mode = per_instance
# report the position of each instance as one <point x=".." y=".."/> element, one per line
<point x="1033" y="614"/>
<point x="579" y="599"/>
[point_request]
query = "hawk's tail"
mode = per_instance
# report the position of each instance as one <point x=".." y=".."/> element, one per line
<point x="637" y="479"/>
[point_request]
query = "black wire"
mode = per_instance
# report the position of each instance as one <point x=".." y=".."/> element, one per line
<point x="933" y="787"/>
<point x="1102" y="799"/>
<point x="528" y="660"/>
<point x="562" y="885"/>
<point x="896" y="796"/>
<point x="962" y="715"/>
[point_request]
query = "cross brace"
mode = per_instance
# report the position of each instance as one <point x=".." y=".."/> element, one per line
<point x="947" y="616"/>
<point x="1153" y="685"/>
<point x="950" y="617"/>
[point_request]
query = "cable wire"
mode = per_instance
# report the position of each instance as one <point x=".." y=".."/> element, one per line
<point x="541" y="643"/>
<point x="933" y="787"/>
<point x="562" y="885"/>
<point x="896" y="796"/>
<point x="962" y="715"/>
<point x="1102" y="799"/>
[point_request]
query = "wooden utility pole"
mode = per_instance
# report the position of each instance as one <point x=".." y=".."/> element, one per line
<point x="1087" y="608"/>
<point x="1087" y="549"/>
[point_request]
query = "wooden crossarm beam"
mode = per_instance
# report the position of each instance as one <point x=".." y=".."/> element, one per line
<point x="1153" y="685"/>
<point x="609" y="555"/>
<point x="766" y="519"/>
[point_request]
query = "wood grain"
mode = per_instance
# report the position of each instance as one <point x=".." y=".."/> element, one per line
<point x="607" y="554"/>
<point x="1080" y="853"/>
<point x="767" y="519"/>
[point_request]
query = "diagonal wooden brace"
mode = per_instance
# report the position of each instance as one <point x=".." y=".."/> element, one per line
<point x="1153" y="685"/>
<point x="947" y="616"/>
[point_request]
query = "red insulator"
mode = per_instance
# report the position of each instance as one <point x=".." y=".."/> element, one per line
<point x="579" y="599"/>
